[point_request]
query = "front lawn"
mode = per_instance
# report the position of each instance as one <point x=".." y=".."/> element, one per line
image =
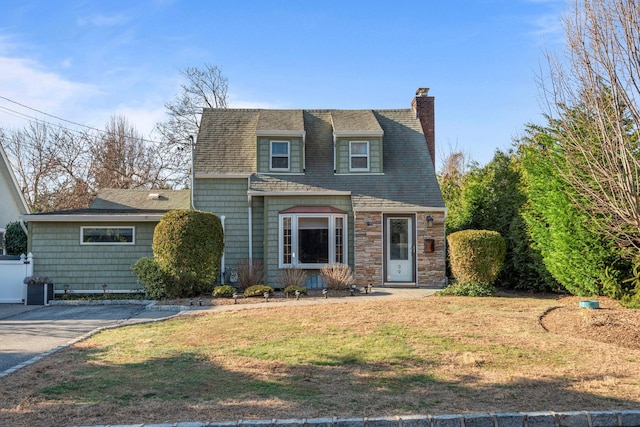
<point x="371" y="358"/>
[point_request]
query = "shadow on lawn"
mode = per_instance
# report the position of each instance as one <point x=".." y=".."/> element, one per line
<point x="189" y="387"/>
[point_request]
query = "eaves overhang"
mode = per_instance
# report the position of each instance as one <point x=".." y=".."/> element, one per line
<point x="92" y="218"/>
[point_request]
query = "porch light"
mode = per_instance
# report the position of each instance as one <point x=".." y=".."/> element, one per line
<point x="429" y="221"/>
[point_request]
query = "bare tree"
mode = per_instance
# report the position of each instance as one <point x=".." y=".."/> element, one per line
<point x="50" y="164"/>
<point x="121" y="158"/>
<point x="60" y="169"/>
<point x="593" y="105"/>
<point x="202" y="88"/>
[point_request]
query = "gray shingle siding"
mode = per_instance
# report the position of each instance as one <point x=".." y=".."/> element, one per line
<point x="59" y="255"/>
<point x="228" y="198"/>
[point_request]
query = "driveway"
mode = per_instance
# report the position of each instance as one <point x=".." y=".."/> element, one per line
<point x="27" y="332"/>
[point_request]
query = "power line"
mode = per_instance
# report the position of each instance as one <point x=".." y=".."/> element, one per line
<point x="10" y="111"/>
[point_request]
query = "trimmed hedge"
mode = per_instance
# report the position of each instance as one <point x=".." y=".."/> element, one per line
<point x="476" y="256"/>
<point x="187" y="246"/>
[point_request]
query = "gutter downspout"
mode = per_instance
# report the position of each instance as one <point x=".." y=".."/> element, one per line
<point x="24" y="227"/>
<point x="193" y="169"/>
<point x="222" y="266"/>
<point x="250" y="221"/>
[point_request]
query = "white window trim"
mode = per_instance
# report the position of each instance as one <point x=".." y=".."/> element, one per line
<point x="2" y="245"/>
<point x="294" y="240"/>
<point x="271" y="155"/>
<point x="368" y="156"/>
<point x="82" y="242"/>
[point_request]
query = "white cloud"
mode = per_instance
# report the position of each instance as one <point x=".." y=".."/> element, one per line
<point x="25" y="82"/>
<point x="100" y="20"/>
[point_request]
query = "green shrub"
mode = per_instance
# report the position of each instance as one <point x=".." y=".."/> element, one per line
<point x="156" y="284"/>
<point x="15" y="241"/>
<point x="291" y="290"/>
<point x="188" y="246"/>
<point x="468" y="290"/>
<point x="224" y="291"/>
<point x="257" y="291"/>
<point x="337" y="276"/>
<point x="476" y="256"/>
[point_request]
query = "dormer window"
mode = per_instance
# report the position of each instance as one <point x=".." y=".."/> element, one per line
<point x="279" y="156"/>
<point x="359" y="156"/>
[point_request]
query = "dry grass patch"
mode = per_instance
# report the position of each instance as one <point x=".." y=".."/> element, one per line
<point x="371" y="358"/>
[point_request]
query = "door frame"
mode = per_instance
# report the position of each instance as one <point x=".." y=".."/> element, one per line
<point x="412" y="249"/>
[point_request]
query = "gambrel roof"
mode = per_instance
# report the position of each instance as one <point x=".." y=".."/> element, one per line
<point x="226" y="146"/>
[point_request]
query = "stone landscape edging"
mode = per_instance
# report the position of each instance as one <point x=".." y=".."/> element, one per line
<point x="626" y="418"/>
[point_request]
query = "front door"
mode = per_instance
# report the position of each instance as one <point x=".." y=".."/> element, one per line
<point x="399" y="249"/>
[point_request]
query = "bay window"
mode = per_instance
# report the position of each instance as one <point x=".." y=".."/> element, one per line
<point x="312" y="240"/>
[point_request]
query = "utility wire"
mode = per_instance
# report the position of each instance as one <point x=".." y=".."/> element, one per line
<point x="9" y="111"/>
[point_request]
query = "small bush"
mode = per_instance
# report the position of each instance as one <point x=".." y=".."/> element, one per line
<point x="291" y="277"/>
<point x="291" y="290"/>
<point x="15" y="241"/>
<point x="337" y="276"/>
<point x="224" y="291"/>
<point x="156" y="283"/>
<point x="476" y="256"/>
<point x="468" y="290"/>
<point x="250" y="273"/>
<point x="258" y="291"/>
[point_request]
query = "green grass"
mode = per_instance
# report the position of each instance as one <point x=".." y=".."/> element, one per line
<point x="379" y="358"/>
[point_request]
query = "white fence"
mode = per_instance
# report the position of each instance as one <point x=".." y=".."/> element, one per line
<point x="12" y="274"/>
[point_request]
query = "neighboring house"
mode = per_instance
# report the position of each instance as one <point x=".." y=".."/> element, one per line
<point x="82" y="250"/>
<point x="303" y="188"/>
<point x="13" y="203"/>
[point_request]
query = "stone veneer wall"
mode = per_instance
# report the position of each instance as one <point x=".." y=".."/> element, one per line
<point x="432" y="267"/>
<point x="369" y="254"/>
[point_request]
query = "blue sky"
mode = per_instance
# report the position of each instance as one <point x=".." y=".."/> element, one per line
<point x="87" y="60"/>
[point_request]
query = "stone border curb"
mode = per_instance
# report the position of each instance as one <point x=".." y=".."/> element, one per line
<point x="627" y="418"/>
<point x="102" y="302"/>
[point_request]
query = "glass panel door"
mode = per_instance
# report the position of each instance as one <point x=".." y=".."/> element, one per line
<point x="399" y="239"/>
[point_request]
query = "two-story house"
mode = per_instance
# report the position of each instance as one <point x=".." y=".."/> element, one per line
<point x="303" y="188"/>
<point x="294" y="188"/>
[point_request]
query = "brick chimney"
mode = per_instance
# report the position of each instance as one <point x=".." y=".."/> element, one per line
<point x="423" y="106"/>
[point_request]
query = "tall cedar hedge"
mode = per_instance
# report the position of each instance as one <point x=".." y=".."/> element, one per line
<point x="579" y="257"/>
<point x="15" y="241"/>
<point x="187" y="246"/>
<point x="476" y="256"/>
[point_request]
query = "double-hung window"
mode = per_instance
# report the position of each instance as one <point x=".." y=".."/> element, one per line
<point x="107" y="235"/>
<point x="359" y="156"/>
<point x="312" y="240"/>
<point x="279" y="157"/>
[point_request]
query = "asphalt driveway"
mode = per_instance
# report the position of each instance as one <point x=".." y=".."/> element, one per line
<point x="27" y="332"/>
